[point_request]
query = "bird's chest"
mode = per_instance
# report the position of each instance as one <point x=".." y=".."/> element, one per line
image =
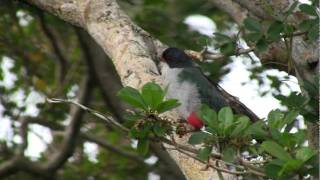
<point x="183" y="90"/>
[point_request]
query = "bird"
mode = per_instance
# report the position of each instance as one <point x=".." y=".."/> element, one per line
<point x="186" y="83"/>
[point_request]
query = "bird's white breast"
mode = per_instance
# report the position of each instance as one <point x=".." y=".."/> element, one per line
<point x="186" y="92"/>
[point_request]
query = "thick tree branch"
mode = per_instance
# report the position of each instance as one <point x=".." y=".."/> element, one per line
<point x="236" y="12"/>
<point x="104" y="73"/>
<point x="8" y="167"/>
<point x="255" y="7"/>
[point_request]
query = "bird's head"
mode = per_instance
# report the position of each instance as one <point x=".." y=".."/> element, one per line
<point x="176" y="58"/>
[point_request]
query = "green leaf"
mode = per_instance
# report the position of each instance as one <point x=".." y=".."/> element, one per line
<point x="143" y="146"/>
<point x="198" y="137"/>
<point x="130" y="119"/>
<point x="294" y="100"/>
<point x="275" y="150"/>
<point x="274" y="118"/>
<point x="229" y="154"/>
<point x="290" y="166"/>
<point x="305" y="153"/>
<point x="290" y="117"/>
<point x="209" y="117"/>
<point x="228" y="130"/>
<point x="257" y="130"/>
<point x="313" y="33"/>
<point x="204" y="153"/>
<point x="225" y="116"/>
<point x="228" y="48"/>
<point x="221" y="38"/>
<point x="288" y="29"/>
<point x="287" y="139"/>
<point x="159" y="130"/>
<point x="134" y="133"/>
<point x="133" y="117"/>
<point x="132" y="97"/>
<point x="300" y="136"/>
<point x="242" y="124"/>
<point x="152" y="94"/>
<point x="305" y="25"/>
<point x="275" y="29"/>
<point x="141" y="132"/>
<point x="262" y="44"/>
<point x="167" y="105"/>
<point x="253" y="37"/>
<point x="308" y="9"/>
<point x="272" y="169"/>
<point x="252" y="24"/>
<point x="312" y="87"/>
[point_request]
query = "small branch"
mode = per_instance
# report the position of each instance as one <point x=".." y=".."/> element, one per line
<point x="294" y="34"/>
<point x="112" y="148"/>
<point x="252" y="168"/>
<point x="72" y="131"/>
<point x="212" y="165"/>
<point x="207" y="55"/>
<point x="89" y="137"/>
<point x="8" y="167"/>
<point x="108" y="119"/>
<point x="23" y="132"/>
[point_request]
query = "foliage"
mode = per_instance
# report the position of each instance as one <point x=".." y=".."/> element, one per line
<point x="283" y="153"/>
<point x="146" y="123"/>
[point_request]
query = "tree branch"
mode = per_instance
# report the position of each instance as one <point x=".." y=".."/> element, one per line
<point x="20" y="163"/>
<point x="104" y="73"/>
<point x="236" y="12"/>
<point x="207" y="55"/>
<point x="112" y="148"/>
<point x="72" y="131"/>
<point x="62" y="62"/>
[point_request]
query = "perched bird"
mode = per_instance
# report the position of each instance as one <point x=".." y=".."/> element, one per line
<point x="192" y="88"/>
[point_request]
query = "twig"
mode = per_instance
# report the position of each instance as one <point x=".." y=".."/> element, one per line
<point x="207" y="55"/>
<point x="112" y="148"/>
<point x="212" y="165"/>
<point x="108" y="119"/>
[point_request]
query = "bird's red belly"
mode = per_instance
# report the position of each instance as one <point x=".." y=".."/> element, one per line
<point x="195" y="121"/>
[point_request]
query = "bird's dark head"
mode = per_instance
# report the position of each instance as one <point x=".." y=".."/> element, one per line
<point x="176" y="58"/>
